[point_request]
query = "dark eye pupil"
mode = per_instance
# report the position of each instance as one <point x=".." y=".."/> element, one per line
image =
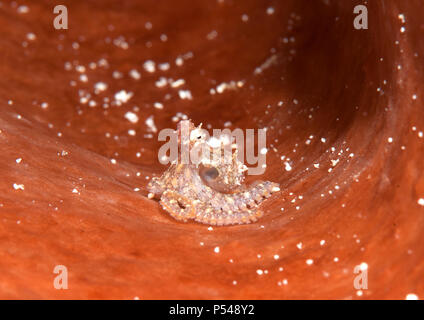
<point x="211" y="173"/>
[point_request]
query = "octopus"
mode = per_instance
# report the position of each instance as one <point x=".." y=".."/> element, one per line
<point x="210" y="191"/>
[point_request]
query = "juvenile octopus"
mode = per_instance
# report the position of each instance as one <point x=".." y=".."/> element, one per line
<point x="210" y="192"/>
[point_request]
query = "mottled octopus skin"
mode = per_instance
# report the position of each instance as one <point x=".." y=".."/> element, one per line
<point x="185" y="196"/>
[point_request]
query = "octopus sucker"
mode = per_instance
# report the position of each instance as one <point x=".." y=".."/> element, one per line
<point x="210" y="192"/>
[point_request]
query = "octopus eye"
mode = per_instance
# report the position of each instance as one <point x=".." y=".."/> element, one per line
<point x="211" y="173"/>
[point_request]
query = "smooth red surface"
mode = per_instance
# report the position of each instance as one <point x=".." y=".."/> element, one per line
<point x="118" y="244"/>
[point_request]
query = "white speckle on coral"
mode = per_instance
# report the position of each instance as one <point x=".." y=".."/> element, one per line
<point x="185" y="95"/>
<point x="123" y="96"/>
<point x="177" y="83"/>
<point x="31" y="36"/>
<point x="287" y="165"/>
<point x="270" y="11"/>
<point x="17" y="186"/>
<point x="131" y="117"/>
<point x="151" y="124"/>
<point x="135" y="74"/>
<point x="23" y="9"/>
<point x="99" y="87"/>
<point x="149" y="66"/>
<point x="363" y="266"/>
<point x="158" y="105"/>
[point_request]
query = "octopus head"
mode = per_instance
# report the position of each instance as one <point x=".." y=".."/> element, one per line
<point x="216" y="157"/>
